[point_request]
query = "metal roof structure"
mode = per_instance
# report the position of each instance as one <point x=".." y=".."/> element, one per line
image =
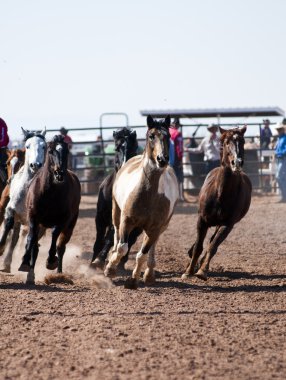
<point x="216" y="112"/>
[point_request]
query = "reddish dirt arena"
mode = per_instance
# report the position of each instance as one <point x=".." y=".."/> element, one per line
<point x="230" y="327"/>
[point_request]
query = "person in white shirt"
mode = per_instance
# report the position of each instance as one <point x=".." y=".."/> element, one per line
<point x="210" y="146"/>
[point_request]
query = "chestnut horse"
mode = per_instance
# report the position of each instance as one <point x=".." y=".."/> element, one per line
<point x="16" y="158"/>
<point x="224" y="200"/>
<point x="53" y="202"/>
<point x="126" y="146"/>
<point x="144" y="195"/>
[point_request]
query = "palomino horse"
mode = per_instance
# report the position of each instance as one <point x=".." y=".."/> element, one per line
<point x="144" y="195"/>
<point x="126" y="146"/>
<point x="16" y="158"/>
<point x="224" y="200"/>
<point x="15" y="213"/>
<point x="53" y="201"/>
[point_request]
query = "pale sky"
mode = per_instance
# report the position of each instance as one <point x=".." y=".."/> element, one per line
<point x="65" y="62"/>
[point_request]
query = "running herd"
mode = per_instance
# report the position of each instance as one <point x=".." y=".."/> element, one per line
<point x="138" y="197"/>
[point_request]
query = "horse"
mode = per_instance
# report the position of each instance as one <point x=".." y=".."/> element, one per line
<point x="4" y="154"/>
<point x="16" y="158"/>
<point x="224" y="200"/>
<point x="53" y="200"/>
<point x="15" y="213"/>
<point x="126" y="146"/>
<point x="145" y="192"/>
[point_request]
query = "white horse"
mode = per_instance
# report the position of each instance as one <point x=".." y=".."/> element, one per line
<point x="144" y="195"/>
<point x="15" y="213"/>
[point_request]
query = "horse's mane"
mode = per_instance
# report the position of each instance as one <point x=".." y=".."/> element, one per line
<point x="31" y="134"/>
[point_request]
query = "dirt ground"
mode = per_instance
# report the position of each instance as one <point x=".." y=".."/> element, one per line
<point x="230" y="327"/>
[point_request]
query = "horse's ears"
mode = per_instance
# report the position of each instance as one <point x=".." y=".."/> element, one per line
<point x="133" y="134"/>
<point x="222" y="130"/>
<point x="243" y="129"/>
<point x="150" y="121"/>
<point x="25" y="132"/>
<point x="43" y="132"/>
<point x="168" y="121"/>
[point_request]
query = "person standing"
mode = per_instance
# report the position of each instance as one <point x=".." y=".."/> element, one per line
<point x="4" y="141"/>
<point x="210" y="147"/>
<point x="68" y="140"/>
<point x="265" y="135"/>
<point x="176" y="154"/>
<point x="280" y="155"/>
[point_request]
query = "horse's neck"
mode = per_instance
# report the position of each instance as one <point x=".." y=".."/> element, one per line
<point x="227" y="181"/>
<point x="151" y="174"/>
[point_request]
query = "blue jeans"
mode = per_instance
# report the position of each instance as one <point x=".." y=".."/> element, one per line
<point x="281" y="175"/>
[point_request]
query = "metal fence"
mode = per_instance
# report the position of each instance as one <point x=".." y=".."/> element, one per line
<point x="92" y="159"/>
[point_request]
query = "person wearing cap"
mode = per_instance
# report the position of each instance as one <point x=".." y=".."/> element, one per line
<point x="280" y="154"/>
<point x="68" y="140"/>
<point x="4" y="141"/>
<point x="176" y="152"/>
<point x="265" y="135"/>
<point x="210" y="147"/>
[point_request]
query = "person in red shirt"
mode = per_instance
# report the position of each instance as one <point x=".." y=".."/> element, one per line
<point x="176" y="154"/>
<point x="4" y="141"/>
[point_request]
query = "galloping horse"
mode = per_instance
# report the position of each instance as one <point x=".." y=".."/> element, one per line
<point x="15" y="213"/>
<point x="144" y="195"/>
<point x="126" y="146"/>
<point x="16" y="158"/>
<point x="224" y="200"/>
<point x="53" y="201"/>
<point x="4" y="154"/>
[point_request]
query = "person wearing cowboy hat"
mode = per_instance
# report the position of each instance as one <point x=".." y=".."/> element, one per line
<point x="210" y="147"/>
<point x="265" y="134"/>
<point x="280" y="154"/>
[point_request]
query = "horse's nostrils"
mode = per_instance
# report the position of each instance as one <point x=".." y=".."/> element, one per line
<point x="162" y="161"/>
<point x="35" y="166"/>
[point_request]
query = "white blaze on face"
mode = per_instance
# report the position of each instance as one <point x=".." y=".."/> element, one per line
<point x="35" y="150"/>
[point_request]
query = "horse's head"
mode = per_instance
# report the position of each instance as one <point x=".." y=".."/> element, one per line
<point x="232" y="147"/>
<point x="158" y="141"/>
<point x="35" y="145"/>
<point x="126" y="145"/>
<point x="16" y="158"/>
<point x="58" y="151"/>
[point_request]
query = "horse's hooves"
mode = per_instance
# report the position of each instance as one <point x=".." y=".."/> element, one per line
<point x="97" y="263"/>
<point x="52" y="265"/>
<point x="185" y="276"/>
<point x="110" y="272"/>
<point x="131" y="283"/>
<point x="24" y="268"/>
<point x="149" y="280"/>
<point x="201" y="275"/>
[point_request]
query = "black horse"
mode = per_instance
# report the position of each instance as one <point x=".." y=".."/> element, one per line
<point x="126" y="146"/>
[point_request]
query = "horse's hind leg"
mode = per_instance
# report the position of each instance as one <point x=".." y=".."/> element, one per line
<point x="197" y="248"/>
<point x="220" y="235"/>
<point x="12" y="245"/>
<point x="64" y="238"/>
<point x="52" y="260"/>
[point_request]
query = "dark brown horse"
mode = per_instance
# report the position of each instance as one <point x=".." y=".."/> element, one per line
<point x="224" y="200"/>
<point x="53" y="202"/>
<point x="16" y="159"/>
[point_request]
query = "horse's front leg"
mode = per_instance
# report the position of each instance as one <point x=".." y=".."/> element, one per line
<point x="121" y="248"/>
<point x="12" y="245"/>
<point x="141" y="258"/>
<point x="220" y="235"/>
<point x="149" y="274"/>
<point x="52" y="260"/>
<point x="32" y="239"/>
<point x="197" y="248"/>
<point x="8" y="225"/>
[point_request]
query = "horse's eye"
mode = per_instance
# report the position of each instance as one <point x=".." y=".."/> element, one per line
<point x="151" y="137"/>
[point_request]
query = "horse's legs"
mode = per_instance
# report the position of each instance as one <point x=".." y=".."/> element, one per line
<point x="28" y="262"/>
<point x="31" y="274"/>
<point x="131" y="241"/>
<point x="63" y="240"/>
<point x="141" y="257"/>
<point x="12" y="245"/>
<point x="8" y="225"/>
<point x="100" y="236"/>
<point x="220" y="235"/>
<point x="121" y="249"/>
<point x="109" y="242"/>
<point x="52" y="260"/>
<point x="197" y="248"/>
<point x="3" y="203"/>
<point x="149" y="275"/>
